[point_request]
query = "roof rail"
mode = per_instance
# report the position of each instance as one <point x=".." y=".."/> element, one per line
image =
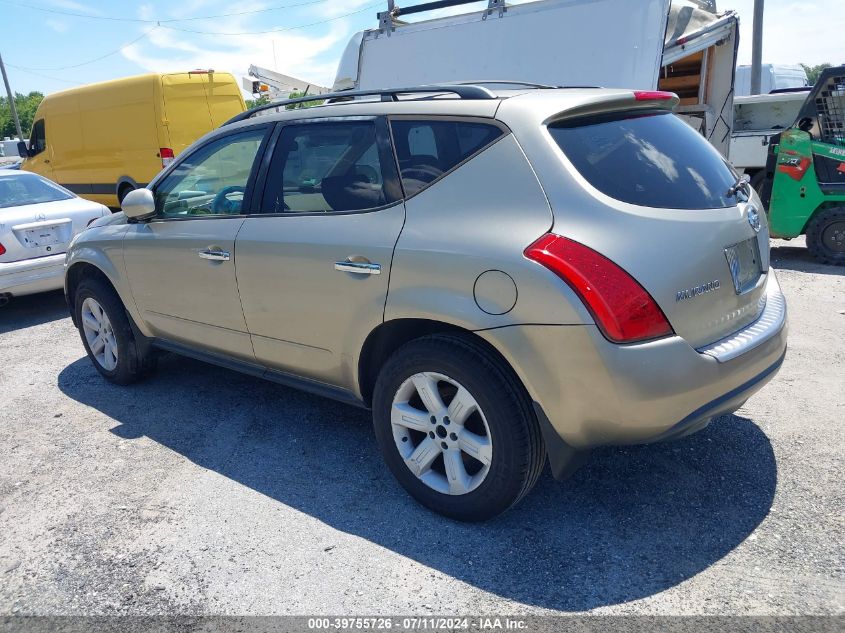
<point x="389" y="19"/>
<point x="464" y="91"/>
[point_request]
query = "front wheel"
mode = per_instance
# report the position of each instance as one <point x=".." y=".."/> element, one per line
<point x="107" y="334"/>
<point x="456" y="429"/>
<point x="826" y="236"/>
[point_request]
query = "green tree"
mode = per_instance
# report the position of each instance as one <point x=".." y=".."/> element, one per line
<point x="26" y="106"/>
<point x="813" y="72"/>
<point x="258" y="101"/>
<point x="307" y="104"/>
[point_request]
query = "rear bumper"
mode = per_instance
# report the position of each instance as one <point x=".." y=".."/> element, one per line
<point x="596" y="393"/>
<point x="29" y="276"/>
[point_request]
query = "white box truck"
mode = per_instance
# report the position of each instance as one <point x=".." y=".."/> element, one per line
<point x="684" y="46"/>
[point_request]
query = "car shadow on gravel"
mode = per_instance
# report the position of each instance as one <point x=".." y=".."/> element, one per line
<point x="631" y="523"/>
<point x="32" y="310"/>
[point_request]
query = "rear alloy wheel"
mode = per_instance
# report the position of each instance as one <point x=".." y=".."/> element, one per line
<point x="448" y="448"/>
<point x="456" y="428"/>
<point x="826" y="236"/>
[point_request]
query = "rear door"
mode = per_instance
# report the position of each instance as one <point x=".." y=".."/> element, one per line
<point x="186" y="111"/>
<point x="181" y="264"/>
<point x="666" y="216"/>
<point x="224" y="98"/>
<point x="314" y="262"/>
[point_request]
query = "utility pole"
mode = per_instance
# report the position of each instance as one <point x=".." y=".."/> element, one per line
<point x="11" y="99"/>
<point x="757" y="48"/>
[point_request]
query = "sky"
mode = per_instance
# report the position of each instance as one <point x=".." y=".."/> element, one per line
<point x="50" y="45"/>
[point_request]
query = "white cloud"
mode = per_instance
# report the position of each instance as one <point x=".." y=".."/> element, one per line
<point x="57" y="25"/>
<point x="72" y="5"/>
<point x="296" y="53"/>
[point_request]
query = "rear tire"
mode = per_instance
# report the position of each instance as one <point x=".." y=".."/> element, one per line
<point x="107" y="334"/>
<point x="826" y="236"/>
<point x="482" y="453"/>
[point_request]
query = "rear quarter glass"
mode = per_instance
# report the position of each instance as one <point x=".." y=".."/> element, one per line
<point x="651" y="159"/>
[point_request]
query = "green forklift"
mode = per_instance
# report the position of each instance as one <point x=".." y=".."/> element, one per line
<point x="804" y="190"/>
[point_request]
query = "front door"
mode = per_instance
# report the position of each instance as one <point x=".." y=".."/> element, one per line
<point x="313" y="265"/>
<point x="181" y="264"/>
<point x="41" y="155"/>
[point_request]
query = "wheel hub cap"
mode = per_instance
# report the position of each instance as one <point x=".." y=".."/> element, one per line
<point x="99" y="334"/>
<point x="441" y="433"/>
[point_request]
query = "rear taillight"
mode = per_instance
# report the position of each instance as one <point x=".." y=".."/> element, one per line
<point x="166" y="156"/>
<point x="621" y="307"/>
<point x="2" y="250"/>
<point x="653" y="95"/>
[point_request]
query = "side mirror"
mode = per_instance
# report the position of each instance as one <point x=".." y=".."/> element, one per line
<point x="23" y="151"/>
<point x="805" y="124"/>
<point x="139" y="204"/>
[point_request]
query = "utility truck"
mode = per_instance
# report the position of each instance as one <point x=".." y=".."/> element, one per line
<point x="683" y="46"/>
<point x="275" y="85"/>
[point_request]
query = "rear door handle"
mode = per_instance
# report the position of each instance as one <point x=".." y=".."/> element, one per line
<point x="215" y="256"/>
<point x="359" y="268"/>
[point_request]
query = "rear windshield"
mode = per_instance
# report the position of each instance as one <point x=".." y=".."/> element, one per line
<point x="23" y="188"/>
<point x="651" y="159"/>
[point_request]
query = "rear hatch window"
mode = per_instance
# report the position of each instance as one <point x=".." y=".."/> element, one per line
<point x="652" y="159"/>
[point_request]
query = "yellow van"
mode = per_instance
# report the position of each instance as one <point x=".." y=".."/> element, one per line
<point x="103" y="140"/>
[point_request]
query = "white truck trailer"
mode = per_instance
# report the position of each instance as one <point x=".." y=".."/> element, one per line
<point x="684" y="46"/>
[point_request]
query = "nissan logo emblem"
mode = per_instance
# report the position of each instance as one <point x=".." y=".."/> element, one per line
<point x="754" y="218"/>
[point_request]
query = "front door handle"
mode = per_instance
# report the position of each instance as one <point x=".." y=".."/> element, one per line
<point x="215" y="256"/>
<point x="359" y="268"/>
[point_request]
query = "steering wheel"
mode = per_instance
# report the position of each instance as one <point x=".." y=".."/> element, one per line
<point x="221" y="204"/>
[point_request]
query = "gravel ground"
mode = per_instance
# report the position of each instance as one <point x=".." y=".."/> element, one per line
<point x="202" y="491"/>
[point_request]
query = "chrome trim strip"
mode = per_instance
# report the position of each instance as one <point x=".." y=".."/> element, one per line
<point x="360" y="268"/>
<point x="767" y="325"/>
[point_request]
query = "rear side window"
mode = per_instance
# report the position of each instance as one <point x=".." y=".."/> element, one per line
<point x="326" y="167"/>
<point x="427" y="149"/>
<point x="650" y="159"/>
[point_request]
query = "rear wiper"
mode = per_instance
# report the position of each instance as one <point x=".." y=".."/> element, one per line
<point x="741" y="183"/>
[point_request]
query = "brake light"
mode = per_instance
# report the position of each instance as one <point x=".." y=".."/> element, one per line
<point x="653" y="95"/>
<point x="621" y="307"/>
<point x="167" y="156"/>
<point x="2" y="250"/>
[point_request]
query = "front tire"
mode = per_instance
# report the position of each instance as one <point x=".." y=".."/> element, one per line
<point x="826" y="236"/>
<point x="107" y="335"/>
<point x="455" y="427"/>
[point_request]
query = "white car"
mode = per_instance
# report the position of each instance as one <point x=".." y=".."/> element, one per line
<point x="38" y="219"/>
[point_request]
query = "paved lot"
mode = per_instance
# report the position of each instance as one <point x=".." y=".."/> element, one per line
<point x="203" y="491"/>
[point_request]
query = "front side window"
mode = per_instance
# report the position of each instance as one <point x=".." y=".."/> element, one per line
<point x="38" y="140"/>
<point x="652" y="159"/>
<point x="427" y="149"/>
<point x="327" y="167"/>
<point x="20" y="189"/>
<point x="213" y="179"/>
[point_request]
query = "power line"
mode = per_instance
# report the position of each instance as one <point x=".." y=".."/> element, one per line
<point x="32" y="72"/>
<point x="96" y="59"/>
<point x="197" y="32"/>
<point x="114" y="18"/>
<point x="282" y="30"/>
